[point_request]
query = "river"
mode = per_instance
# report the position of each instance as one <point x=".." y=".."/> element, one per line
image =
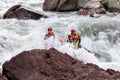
<point x="101" y="36"/>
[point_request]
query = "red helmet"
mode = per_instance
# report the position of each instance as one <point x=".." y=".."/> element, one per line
<point x="73" y="30"/>
<point x="50" y="33"/>
<point x="50" y="29"/>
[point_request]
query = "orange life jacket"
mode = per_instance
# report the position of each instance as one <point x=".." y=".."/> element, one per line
<point x="74" y="37"/>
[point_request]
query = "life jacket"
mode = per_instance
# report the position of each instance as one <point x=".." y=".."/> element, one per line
<point x="76" y="44"/>
<point x="75" y="39"/>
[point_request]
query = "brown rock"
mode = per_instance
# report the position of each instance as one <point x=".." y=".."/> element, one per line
<point x="100" y="11"/>
<point x="114" y="5"/>
<point x="60" y="5"/>
<point x="83" y="12"/>
<point x="50" y="5"/>
<point x="52" y="65"/>
<point x="105" y="4"/>
<point x="21" y="12"/>
<point x="3" y="77"/>
<point x="91" y="7"/>
<point x="92" y="4"/>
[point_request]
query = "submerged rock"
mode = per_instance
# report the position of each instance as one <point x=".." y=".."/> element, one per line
<point x="52" y="65"/>
<point x="21" y="12"/>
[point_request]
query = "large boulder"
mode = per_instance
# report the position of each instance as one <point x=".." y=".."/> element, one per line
<point x="114" y="5"/>
<point x="60" y="5"/>
<point x="71" y="5"/>
<point x="65" y="5"/>
<point x="21" y="12"/>
<point x="81" y="3"/>
<point x="52" y="65"/>
<point x="93" y="6"/>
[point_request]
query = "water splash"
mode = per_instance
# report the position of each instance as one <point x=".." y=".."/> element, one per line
<point x="99" y="35"/>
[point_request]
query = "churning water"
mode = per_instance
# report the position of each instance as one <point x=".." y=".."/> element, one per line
<point x="101" y="36"/>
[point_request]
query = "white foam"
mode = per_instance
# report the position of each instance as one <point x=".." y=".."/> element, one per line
<point x="96" y="33"/>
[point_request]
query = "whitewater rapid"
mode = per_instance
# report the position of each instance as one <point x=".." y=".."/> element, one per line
<point x="99" y="35"/>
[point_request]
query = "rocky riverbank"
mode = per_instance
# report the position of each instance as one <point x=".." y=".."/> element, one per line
<point x="52" y="65"/>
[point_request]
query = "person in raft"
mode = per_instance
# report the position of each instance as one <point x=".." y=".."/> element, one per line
<point x="74" y="38"/>
<point x="49" y="33"/>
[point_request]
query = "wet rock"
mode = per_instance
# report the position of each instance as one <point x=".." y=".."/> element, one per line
<point x="91" y="7"/>
<point x="60" y="5"/>
<point x="52" y="65"/>
<point x="50" y="5"/>
<point x="72" y="5"/>
<point x="21" y="12"/>
<point x="63" y="5"/>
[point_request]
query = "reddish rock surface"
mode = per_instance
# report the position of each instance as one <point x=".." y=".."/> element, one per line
<point x="21" y="12"/>
<point x="3" y="77"/>
<point x="52" y="65"/>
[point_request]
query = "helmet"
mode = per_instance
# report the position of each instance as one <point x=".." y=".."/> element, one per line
<point x="50" y="29"/>
<point x="50" y="33"/>
<point x="73" y="30"/>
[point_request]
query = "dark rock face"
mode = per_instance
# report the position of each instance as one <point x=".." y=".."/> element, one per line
<point x="53" y="65"/>
<point x="20" y="12"/>
<point x="105" y="4"/>
<point x="60" y="5"/>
